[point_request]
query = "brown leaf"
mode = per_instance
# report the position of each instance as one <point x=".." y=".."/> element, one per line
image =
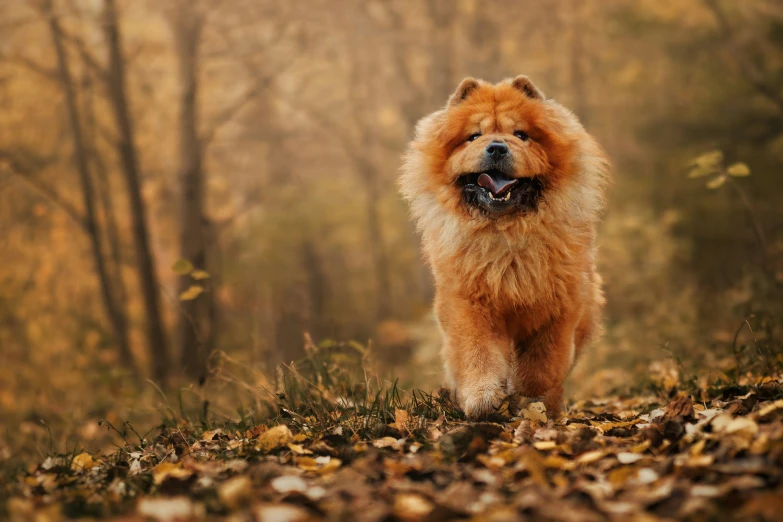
<point x="401" y="419"/>
<point x="680" y="407"/>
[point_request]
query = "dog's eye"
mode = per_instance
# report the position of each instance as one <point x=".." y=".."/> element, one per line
<point x="521" y="135"/>
<point x="474" y="137"/>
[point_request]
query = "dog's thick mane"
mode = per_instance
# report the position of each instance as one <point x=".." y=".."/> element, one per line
<point x="507" y="259"/>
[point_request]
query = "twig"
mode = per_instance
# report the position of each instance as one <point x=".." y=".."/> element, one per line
<point x="51" y="196"/>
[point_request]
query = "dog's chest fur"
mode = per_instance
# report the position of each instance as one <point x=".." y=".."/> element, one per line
<point x="524" y="265"/>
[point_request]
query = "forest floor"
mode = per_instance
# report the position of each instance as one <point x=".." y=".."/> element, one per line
<point x="330" y="449"/>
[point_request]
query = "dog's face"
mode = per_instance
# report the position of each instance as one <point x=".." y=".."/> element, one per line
<point x="495" y="150"/>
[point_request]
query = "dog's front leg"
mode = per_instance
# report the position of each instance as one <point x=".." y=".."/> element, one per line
<point x="477" y="355"/>
<point x="544" y="361"/>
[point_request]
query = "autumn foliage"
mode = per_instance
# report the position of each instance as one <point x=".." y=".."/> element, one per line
<point x="198" y="205"/>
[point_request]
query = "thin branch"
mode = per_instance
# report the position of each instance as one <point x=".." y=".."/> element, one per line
<point x="228" y="113"/>
<point x="85" y="54"/>
<point x="50" y="195"/>
<point x="31" y="65"/>
<point x="260" y="84"/>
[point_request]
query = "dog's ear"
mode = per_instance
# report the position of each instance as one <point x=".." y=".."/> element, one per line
<point x="466" y="86"/>
<point x="522" y="83"/>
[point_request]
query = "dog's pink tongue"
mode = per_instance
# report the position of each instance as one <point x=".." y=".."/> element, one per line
<point x="497" y="187"/>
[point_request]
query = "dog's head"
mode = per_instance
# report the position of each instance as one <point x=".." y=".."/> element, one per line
<point x="494" y="152"/>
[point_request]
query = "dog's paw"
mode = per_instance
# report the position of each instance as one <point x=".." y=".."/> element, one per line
<point x="479" y="403"/>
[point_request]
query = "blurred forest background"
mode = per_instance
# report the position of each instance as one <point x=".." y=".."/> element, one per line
<point x="188" y="186"/>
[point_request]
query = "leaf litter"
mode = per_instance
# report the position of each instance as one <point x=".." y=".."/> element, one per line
<point x="713" y="454"/>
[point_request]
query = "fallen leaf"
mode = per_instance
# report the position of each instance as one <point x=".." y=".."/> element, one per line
<point x="389" y="442"/>
<point x="628" y="458"/>
<point x="322" y="465"/>
<point x="166" y="470"/>
<point x="288" y="484"/>
<point x="769" y="408"/>
<point x="169" y="509"/>
<point x="281" y="513"/>
<point x="298" y="449"/>
<point x="274" y="438"/>
<point x="82" y="462"/>
<point x="401" y="419"/>
<point x="590" y="457"/>
<point x="209" y="435"/>
<point x="535" y="411"/>
<point x="410" y="506"/>
<point x="680" y="407"/>
<point x="743" y="427"/>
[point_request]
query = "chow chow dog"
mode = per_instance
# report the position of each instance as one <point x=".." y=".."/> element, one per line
<point x="506" y="188"/>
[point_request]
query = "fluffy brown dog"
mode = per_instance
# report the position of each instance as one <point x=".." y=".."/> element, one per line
<point x="506" y="188"/>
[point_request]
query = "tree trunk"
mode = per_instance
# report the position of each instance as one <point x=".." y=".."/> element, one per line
<point x="316" y="290"/>
<point x="442" y="13"/>
<point x="378" y="253"/>
<point x="195" y="315"/>
<point x="156" y="335"/>
<point x="577" y="59"/>
<point x="114" y="310"/>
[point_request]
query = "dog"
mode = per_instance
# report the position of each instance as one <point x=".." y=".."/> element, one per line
<point x="507" y="188"/>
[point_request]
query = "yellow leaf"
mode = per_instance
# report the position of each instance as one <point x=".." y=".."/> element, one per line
<point x="330" y="465"/>
<point x="590" y="457"/>
<point x="738" y="170"/>
<point x="191" y="293"/>
<point x="545" y="445"/>
<point x="769" y="408"/>
<point x="198" y="275"/>
<point x="713" y="157"/>
<point x="387" y="442"/>
<point x="274" y="438"/>
<point x="83" y="461"/>
<point x="209" y="435"/>
<point x="182" y="267"/>
<point x="299" y="449"/>
<point x="706" y="164"/>
<point x="716" y="182"/>
<point x="307" y="463"/>
<point x="558" y="462"/>
<point x="167" y="470"/>
<point x="320" y="465"/>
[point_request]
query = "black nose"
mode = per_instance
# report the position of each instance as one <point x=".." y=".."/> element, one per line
<point x="497" y="149"/>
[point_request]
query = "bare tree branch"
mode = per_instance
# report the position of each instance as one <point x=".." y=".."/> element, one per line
<point x="228" y="113"/>
<point x="85" y="54"/>
<point x="17" y="169"/>
<point x="32" y="65"/>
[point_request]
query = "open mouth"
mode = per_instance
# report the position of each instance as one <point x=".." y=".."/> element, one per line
<point x="495" y="192"/>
